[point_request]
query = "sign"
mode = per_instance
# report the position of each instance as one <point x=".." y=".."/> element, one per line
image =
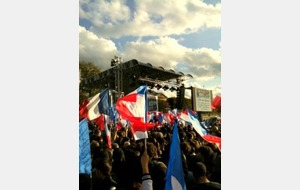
<point x="152" y="103"/>
<point x="202" y="99"/>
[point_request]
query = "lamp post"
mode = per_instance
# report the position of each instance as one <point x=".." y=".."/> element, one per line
<point x="116" y="63"/>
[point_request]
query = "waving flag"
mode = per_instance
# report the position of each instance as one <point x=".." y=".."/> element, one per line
<point x="160" y="117"/>
<point x="113" y="114"/>
<point x="175" y="112"/>
<point x="133" y="107"/>
<point x="139" y="129"/>
<point x="107" y="131"/>
<point x="103" y="121"/>
<point x="175" y="176"/>
<point x="170" y="117"/>
<point x="191" y="118"/>
<point x="216" y="103"/>
<point x="134" y="104"/>
<point x="121" y="123"/>
<point x="85" y="163"/>
<point x="115" y="117"/>
<point x="93" y="107"/>
<point x="150" y="116"/>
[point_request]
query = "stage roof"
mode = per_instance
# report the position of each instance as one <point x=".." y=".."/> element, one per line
<point x="130" y="68"/>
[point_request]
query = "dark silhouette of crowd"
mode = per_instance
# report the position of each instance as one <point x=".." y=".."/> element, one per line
<point x="130" y="165"/>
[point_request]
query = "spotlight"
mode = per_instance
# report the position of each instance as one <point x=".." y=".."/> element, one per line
<point x="151" y="86"/>
<point x="113" y="63"/>
<point x="158" y="86"/>
<point x="173" y="89"/>
<point x="165" y="88"/>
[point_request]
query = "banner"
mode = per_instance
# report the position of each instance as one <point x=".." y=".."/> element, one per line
<point x="202" y="99"/>
<point x="85" y="165"/>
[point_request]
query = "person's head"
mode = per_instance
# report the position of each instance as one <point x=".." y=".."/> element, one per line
<point x="189" y="136"/>
<point x="199" y="170"/>
<point x="186" y="148"/>
<point x="126" y="144"/>
<point x="196" y="145"/>
<point x="118" y="155"/>
<point x="103" y="167"/>
<point x="102" y="154"/>
<point x="159" y="135"/>
<point x="152" y="150"/>
<point x="213" y="146"/>
<point x="98" y="133"/>
<point x="121" y="133"/>
<point x="189" y="128"/>
<point x="114" y="145"/>
<point x="94" y="144"/>
<point x="182" y="135"/>
<point x="206" y="153"/>
<point x="158" y="175"/>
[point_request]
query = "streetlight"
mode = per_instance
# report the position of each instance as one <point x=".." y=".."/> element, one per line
<point x="116" y="62"/>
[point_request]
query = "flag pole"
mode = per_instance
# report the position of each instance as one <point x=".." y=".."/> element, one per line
<point x="146" y="111"/>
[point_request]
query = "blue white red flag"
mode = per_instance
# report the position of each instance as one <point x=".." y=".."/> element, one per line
<point x="94" y="106"/>
<point x="113" y="114"/>
<point x="175" y="175"/>
<point x="190" y="117"/>
<point x="133" y="107"/>
<point x="103" y="121"/>
<point x="160" y="117"/>
<point x="107" y="130"/>
<point x="85" y="163"/>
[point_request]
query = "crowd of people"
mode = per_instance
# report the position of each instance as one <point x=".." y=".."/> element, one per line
<point x="142" y="164"/>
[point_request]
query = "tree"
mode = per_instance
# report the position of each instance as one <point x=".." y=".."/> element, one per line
<point x="86" y="70"/>
<point x="163" y="106"/>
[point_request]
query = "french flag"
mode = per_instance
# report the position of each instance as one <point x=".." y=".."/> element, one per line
<point x="102" y="121"/>
<point x="115" y="117"/>
<point x="170" y="117"/>
<point x="190" y="117"/>
<point x="85" y="161"/>
<point x="174" y="177"/>
<point x="93" y="107"/>
<point x="107" y="131"/>
<point x="133" y="107"/>
<point x="121" y="123"/>
<point x="160" y="117"/>
<point x="150" y="116"/>
<point x="113" y="114"/>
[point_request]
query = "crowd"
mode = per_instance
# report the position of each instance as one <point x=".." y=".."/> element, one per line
<point x="142" y="164"/>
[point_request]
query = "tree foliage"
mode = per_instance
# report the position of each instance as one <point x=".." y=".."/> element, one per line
<point x="86" y="70"/>
<point x="163" y="106"/>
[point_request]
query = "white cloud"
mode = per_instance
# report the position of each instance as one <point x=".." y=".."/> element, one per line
<point x="114" y="19"/>
<point x="97" y="50"/>
<point x="163" y="52"/>
<point x="203" y="63"/>
<point x="151" y="18"/>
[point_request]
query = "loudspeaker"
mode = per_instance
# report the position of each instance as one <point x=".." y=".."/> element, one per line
<point x="180" y="97"/>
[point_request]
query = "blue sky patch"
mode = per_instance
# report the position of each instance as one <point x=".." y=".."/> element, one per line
<point x="209" y="38"/>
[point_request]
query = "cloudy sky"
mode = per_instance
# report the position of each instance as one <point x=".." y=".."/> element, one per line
<point x="181" y="35"/>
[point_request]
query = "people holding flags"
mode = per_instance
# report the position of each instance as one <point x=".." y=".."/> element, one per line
<point x="132" y="140"/>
